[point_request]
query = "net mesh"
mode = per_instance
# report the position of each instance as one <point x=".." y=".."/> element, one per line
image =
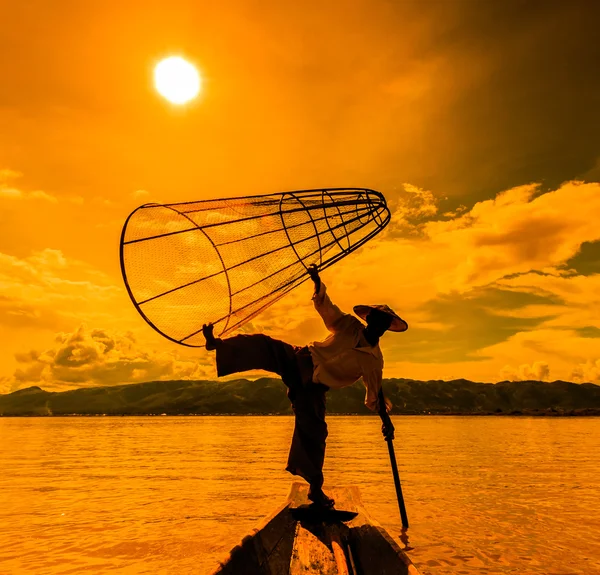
<point x="224" y="261"/>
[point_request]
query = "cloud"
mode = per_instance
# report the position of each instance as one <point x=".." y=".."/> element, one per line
<point x="10" y="192"/>
<point x="39" y="195"/>
<point x="87" y="357"/>
<point x="411" y="208"/>
<point x="588" y="372"/>
<point x="518" y="231"/>
<point x="490" y="286"/>
<point x="6" y="175"/>
<point x="140" y="194"/>
<point x="538" y="370"/>
<point x="576" y="298"/>
<point x="456" y="212"/>
<point x="16" y="194"/>
<point x="568" y="351"/>
<point x="48" y="290"/>
<point x="486" y="288"/>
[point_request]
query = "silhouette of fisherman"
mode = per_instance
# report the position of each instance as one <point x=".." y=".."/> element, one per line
<point x="349" y="353"/>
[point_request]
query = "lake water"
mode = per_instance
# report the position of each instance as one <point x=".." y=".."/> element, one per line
<point x="485" y="495"/>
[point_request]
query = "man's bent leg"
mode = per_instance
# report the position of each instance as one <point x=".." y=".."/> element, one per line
<point x="307" y="452"/>
<point x="247" y="352"/>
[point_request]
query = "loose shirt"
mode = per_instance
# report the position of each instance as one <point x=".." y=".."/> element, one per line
<point x="346" y="356"/>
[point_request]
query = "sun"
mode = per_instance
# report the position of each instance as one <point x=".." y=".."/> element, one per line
<point x="176" y="80"/>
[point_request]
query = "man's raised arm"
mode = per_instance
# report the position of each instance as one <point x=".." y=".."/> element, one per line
<point x="330" y="312"/>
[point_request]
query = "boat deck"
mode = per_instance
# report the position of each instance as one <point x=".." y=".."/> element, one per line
<point x="284" y="545"/>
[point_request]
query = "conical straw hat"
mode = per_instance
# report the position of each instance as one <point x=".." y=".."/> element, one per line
<point x="398" y="324"/>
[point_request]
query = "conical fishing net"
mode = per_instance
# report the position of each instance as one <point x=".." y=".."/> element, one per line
<point x="224" y="261"/>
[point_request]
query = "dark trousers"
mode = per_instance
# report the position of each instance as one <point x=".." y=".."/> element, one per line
<point x="294" y="365"/>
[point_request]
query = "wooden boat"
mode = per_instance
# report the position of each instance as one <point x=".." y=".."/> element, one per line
<point x="283" y="544"/>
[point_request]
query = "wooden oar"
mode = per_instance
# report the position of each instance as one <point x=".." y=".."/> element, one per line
<point x="390" y="445"/>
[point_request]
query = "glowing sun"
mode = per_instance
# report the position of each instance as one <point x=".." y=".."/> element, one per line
<point x="176" y="80"/>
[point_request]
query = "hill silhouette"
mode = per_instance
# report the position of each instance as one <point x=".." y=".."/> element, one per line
<point x="268" y="396"/>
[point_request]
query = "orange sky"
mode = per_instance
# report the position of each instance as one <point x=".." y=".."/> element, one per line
<point x="471" y="117"/>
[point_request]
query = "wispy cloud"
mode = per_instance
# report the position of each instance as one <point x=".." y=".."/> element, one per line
<point x="9" y="191"/>
<point x="47" y="290"/>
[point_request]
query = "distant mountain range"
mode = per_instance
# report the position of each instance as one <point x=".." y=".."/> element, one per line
<point x="268" y="396"/>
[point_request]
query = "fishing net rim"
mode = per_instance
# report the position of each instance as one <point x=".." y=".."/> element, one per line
<point x="336" y="192"/>
<point x="383" y="222"/>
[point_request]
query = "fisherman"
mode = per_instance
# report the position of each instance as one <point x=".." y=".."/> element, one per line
<point x="349" y="353"/>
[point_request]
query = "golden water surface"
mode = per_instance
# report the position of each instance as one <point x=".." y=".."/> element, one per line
<point x="172" y="494"/>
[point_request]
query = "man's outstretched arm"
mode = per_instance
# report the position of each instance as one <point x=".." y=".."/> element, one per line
<point x="330" y="313"/>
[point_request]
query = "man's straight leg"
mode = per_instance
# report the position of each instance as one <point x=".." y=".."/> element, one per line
<point x="307" y="452"/>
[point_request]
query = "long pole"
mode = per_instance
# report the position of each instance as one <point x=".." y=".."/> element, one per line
<point x="390" y="445"/>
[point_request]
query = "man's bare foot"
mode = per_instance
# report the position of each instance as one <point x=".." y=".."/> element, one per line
<point x="319" y="498"/>
<point x="207" y="332"/>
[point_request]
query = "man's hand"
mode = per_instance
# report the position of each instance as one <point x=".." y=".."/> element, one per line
<point x="387" y="428"/>
<point x="313" y="272"/>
